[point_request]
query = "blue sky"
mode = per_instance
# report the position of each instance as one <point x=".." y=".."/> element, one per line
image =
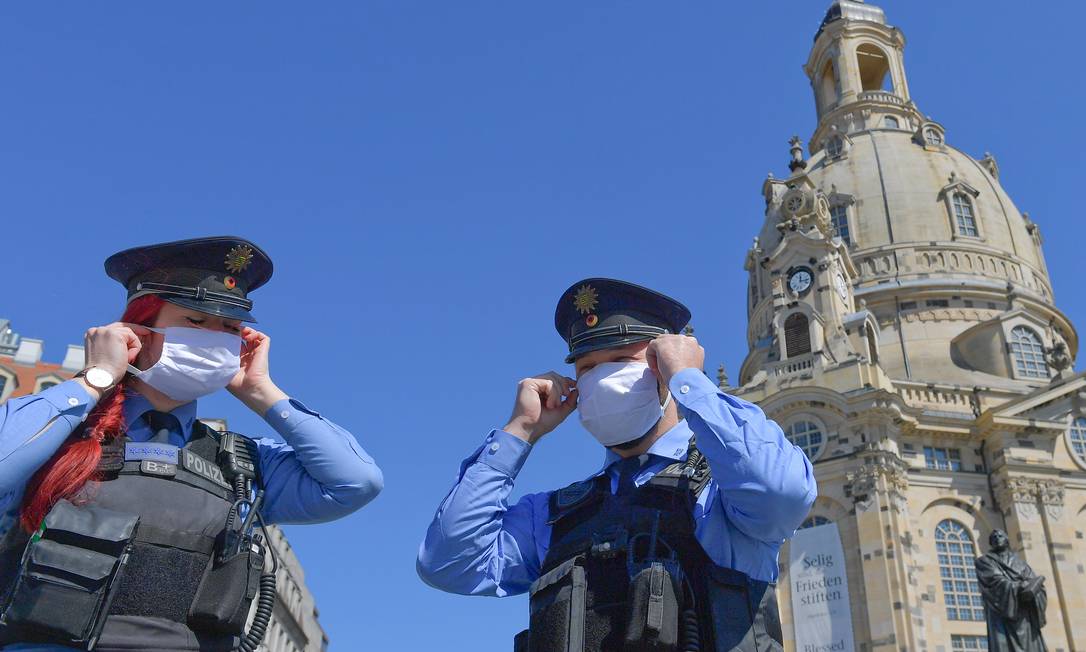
<point x="428" y="178"/>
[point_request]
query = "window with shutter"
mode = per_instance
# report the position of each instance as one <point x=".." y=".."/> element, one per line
<point x="797" y="335"/>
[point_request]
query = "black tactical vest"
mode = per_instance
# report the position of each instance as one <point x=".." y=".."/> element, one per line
<point x="182" y="513"/>
<point x="626" y="573"/>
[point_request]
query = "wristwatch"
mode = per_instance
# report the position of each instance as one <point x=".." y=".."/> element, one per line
<point x="97" y="377"/>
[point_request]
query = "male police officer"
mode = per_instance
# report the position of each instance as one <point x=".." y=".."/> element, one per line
<point x="673" y="544"/>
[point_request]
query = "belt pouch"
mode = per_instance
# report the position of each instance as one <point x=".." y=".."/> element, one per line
<point x="68" y="575"/>
<point x="654" y="611"/>
<point x="557" y="610"/>
<point x="225" y="593"/>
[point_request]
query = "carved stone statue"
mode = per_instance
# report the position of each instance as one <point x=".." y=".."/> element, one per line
<point x="1058" y="358"/>
<point x="1014" y="598"/>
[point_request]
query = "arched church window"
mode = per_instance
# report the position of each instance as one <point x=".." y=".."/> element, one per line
<point x="834" y="146"/>
<point x="1076" y="434"/>
<point x="797" y="335"/>
<point x="808" y="436"/>
<point x="829" y="87"/>
<point x="964" y="216"/>
<point x="961" y="592"/>
<point x="839" y="219"/>
<point x="932" y="137"/>
<point x="872" y="347"/>
<point x="890" y="122"/>
<point x="1029" y="353"/>
<point x="874" y="68"/>
<point x="814" y="521"/>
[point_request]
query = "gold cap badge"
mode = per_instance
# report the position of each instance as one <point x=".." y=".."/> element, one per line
<point x="586" y="299"/>
<point x="239" y="258"/>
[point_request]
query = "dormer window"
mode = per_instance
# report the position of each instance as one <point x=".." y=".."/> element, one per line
<point x="1028" y="353"/>
<point x="960" y="199"/>
<point x="964" y="216"/>
<point x="931" y="136"/>
<point x="839" y="221"/>
<point x="834" y="146"/>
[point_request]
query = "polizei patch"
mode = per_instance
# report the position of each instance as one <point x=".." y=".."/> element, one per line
<point x="193" y="463"/>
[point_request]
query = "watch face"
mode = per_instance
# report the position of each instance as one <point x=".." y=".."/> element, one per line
<point x="98" y="378"/>
<point x="800" y="280"/>
<point x="842" y="287"/>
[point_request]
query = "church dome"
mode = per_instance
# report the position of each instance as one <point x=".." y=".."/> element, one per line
<point x="908" y="208"/>
<point x="936" y="253"/>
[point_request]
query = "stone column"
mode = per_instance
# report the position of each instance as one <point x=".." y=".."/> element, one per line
<point x="878" y="489"/>
<point x="1032" y="507"/>
<point x="1066" y="590"/>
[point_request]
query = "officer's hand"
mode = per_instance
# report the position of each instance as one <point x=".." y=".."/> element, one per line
<point x="543" y="402"/>
<point x="253" y="385"/>
<point x="669" y="354"/>
<point x="113" y="347"/>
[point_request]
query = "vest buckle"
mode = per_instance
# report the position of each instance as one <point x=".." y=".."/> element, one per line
<point x="609" y="543"/>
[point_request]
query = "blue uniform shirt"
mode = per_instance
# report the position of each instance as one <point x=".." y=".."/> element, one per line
<point x="319" y="473"/>
<point x="762" y="488"/>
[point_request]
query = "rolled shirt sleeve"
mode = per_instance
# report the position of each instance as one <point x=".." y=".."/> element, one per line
<point x="318" y="473"/>
<point x="477" y="544"/>
<point x="766" y="484"/>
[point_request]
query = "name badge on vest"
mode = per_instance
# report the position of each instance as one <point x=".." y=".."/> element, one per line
<point x="198" y="465"/>
<point x="148" y="450"/>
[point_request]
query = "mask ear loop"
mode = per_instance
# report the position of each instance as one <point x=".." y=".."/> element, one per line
<point x="136" y="371"/>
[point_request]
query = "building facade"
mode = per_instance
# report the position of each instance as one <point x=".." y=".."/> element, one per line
<point x="903" y="331"/>
<point x="22" y="370"/>
<point x="294" y="625"/>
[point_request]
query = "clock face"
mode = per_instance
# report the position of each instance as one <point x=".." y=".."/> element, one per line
<point x="842" y="287"/>
<point x="800" y="280"/>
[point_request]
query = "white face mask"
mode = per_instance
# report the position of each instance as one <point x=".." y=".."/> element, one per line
<point x="194" y="362"/>
<point x="619" y="401"/>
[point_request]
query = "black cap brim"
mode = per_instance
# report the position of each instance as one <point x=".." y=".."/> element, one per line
<point x="606" y="343"/>
<point x="212" y="308"/>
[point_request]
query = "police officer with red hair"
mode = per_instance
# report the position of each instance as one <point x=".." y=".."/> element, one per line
<point x="138" y="526"/>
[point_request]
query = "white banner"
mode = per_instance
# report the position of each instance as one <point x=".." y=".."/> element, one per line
<point x="820" y="605"/>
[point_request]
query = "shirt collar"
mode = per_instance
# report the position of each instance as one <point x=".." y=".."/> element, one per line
<point x="673" y="445"/>
<point x="136" y="405"/>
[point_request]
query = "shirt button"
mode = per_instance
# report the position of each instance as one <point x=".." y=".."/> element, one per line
<point x="73" y="401"/>
<point x="684" y="389"/>
<point x="285" y="414"/>
<point x="494" y="447"/>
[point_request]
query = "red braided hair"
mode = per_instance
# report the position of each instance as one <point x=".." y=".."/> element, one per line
<point x="75" y="462"/>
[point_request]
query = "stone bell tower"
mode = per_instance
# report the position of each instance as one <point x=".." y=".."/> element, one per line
<point x="903" y="331"/>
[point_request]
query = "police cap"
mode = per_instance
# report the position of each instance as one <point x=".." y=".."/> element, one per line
<point x="602" y="313"/>
<point x="213" y="275"/>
